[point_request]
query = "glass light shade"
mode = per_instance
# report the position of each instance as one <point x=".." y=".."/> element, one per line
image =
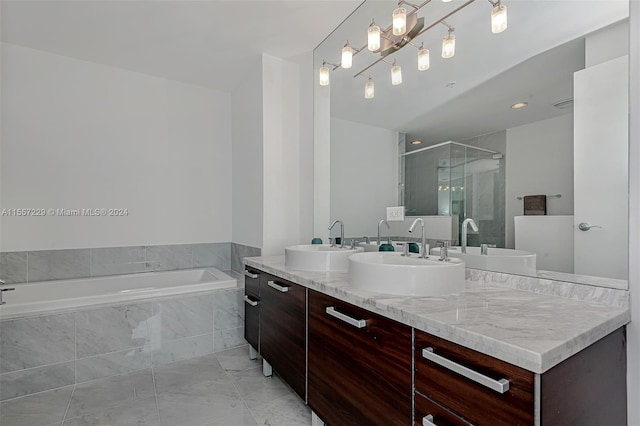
<point x="347" y="57"/>
<point x="324" y="75"/>
<point x="448" y="46"/>
<point x="369" y="90"/>
<point x="446" y="1"/>
<point x="499" y="19"/>
<point x="399" y="21"/>
<point x="396" y="75"/>
<point x="373" y="37"/>
<point x="423" y="59"/>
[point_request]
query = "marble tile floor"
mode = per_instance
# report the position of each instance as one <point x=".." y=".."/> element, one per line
<point x="222" y="389"/>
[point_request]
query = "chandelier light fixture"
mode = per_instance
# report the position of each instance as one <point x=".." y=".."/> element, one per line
<point x="404" y="28"/>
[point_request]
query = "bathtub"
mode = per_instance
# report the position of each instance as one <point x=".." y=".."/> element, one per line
<point x="48" y="296"/>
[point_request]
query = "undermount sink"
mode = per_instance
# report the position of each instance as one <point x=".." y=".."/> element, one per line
<point x="392" y="273"/>
<point x="497" y="259"/>
<point x="318" y="257"/>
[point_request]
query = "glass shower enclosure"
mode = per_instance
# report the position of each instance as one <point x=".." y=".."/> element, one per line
<point x="454" y="179"/>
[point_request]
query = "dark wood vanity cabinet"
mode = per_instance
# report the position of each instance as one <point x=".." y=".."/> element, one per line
<point x="588" y="388"/>
<point x="359" y="365"/>
<point x="283" y="329"/>
<point x="252" y="307"/>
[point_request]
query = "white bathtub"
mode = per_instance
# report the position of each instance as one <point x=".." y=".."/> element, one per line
<point x="45" y="296"/>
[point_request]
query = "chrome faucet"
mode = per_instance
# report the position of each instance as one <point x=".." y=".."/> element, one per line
<point x="473" y="225"/>
<point x="380" y="223"/>
<point x="423" y="247"/>
<point x="341" y="231"/>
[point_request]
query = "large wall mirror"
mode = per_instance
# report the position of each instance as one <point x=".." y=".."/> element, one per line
<point x="524" y="131"/>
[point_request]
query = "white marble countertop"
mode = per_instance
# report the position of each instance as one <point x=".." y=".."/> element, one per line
<point x="530" y="330"/>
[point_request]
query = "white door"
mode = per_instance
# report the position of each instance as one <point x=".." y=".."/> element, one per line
<point x="601" y="136"/>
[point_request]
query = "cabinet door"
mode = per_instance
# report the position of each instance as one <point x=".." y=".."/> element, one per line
<point x="469" y="396"/>
<point x="283" y="330"/>
<point x="252" y="320"/>
<point x="359" y="370"/>
<point x="428" y="413"/>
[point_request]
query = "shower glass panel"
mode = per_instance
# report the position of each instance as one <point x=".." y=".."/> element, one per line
<point x="454" y="179"/>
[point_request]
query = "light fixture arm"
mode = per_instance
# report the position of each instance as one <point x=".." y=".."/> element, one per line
<point x="494" y="3"/>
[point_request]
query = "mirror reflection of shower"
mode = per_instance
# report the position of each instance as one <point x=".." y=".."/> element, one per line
<point x="455" y="179"/>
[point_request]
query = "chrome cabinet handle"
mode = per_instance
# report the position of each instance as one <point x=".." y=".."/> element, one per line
<point x="358" y="323"/>
<point x="250" y="301"/>
<point x="281" y="288"/>
<point x="500" y="386"/>
<point x="2" y="291"/>
<point x="250" y="275"/>
<point x="428" y="420"/>
<point x="585" y="226"/>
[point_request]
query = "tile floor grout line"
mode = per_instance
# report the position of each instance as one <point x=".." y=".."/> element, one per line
<point x="64" y="418"/>
<point x="155" y="393"/>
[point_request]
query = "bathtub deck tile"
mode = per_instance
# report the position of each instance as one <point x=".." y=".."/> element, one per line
<point x="32" y="380"/>
<point x="105" y="330"/>
<point x="138" y="413"/>
<point x="101" y="394"/>
<point x="226" y="339"/>
<point x="13" y="267"/>
<point x="45" y="265"/>
<point x="36" y="410"/>
<point x="117" y="260"/>
<point x="34" y="342"/>
<point x="169" y="351"/>
<point x="110" y="364"/>
<point x="182" y="317"/>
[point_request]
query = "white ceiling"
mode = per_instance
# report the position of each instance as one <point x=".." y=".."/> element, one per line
<point x="209" y="43"/>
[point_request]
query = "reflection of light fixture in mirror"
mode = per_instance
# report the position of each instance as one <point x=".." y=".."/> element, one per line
<point x="423" y="58"/>
<point x="449" y="45"/>
<point x="369" y="89"/>
<point x="373" y="37"/>
<point x="396" y="74"/>
<point x="347" y="56"/>
<point x="519" y="105"/>
<point x="416" y="142"/>
<point x="498" y="17"/>
<point x="399" y="21"/>
<point x="324" y="74"/>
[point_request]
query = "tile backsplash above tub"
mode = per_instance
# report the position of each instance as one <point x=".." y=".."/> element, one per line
<point x="46" y="265"/>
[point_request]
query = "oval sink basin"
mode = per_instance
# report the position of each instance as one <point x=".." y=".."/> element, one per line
<point x="498" y="259"/>
<point x="318" y="257"/>
<point x="373" y="246"/>
<point x="393" y="273"/>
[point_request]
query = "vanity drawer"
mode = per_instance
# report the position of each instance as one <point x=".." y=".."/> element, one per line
<point x="428" y="413"/>
<point x="252" y="280"/>
<point x="439" y="376"/>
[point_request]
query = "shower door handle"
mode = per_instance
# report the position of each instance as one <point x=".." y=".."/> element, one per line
<point x="585" y="226"/>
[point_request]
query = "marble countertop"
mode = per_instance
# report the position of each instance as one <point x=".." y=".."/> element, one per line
<point x="530" y="330"/>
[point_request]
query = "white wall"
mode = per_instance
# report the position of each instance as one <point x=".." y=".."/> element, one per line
<point x="364" y="172"/>
<point x="83" y="135"/>
<point x="281" y="160"/>
<point x="608" y="43"/>
<point x="247" y="159"/>
<point x="633" y="329"/>
<point x="539" y="160"/>
<point x="307" y="74"/>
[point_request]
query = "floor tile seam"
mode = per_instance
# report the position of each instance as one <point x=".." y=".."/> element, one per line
<point x="66" y="411"/>
<point x="38" y="366"/>
<point x="155" y="394"/>
<point x="129" y="402"/>
<point x="244" y="402"/>
<point x="36" y="393"/>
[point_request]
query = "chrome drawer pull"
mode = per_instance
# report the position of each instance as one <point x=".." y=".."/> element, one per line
<point x="249" y="301"/>
<point x="500" y="386"/>
<point x="250" y="275"/>
<point x="282" y="288"/>
<point x="346" y="318"/>
<point x="428" y="420"/>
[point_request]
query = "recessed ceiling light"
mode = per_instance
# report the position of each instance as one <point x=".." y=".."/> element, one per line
<point x="519" y="105"/>
<point x="416" y="142"/>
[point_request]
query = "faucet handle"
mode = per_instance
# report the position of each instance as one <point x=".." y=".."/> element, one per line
<point x="443" y="243"/>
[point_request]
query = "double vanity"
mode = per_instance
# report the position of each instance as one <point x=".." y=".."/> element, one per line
<point x="400" y="340"/>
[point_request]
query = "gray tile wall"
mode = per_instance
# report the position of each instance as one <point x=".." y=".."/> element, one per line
<point x="239" y="252"/>
<point x="52" y="351"/>
<point x="45" y="265"/>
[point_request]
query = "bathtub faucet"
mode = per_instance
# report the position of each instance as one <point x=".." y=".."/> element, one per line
<point x="341" y="232"/>
<point x="473" y="225"/>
